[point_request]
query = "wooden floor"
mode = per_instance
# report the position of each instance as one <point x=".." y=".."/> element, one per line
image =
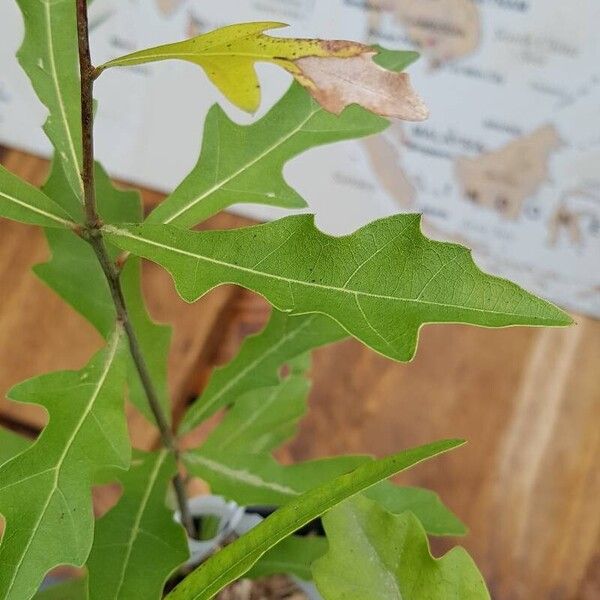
<point x="528" y="401"/>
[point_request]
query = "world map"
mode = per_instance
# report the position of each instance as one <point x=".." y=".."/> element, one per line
<point x="508" y="163"/>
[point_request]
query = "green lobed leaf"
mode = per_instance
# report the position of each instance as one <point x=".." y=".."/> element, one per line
<point x="374" y="555"/>
<point x="74" y="273"/>
<point x="11" y="444"/>
<point x="261" y="419"/>
<point x="244" y="163"/>
<point x="25" y="203"/>
<point x="137" y="544"/>
<point x="294" y="555"/>
<point x="238" y="557"/>
<point x="380" y="283"/>
<point x="259" y="360"/>
<point x="45" y="494"/>
<point x="259" y="478"/>
<point x="49" y="56"/>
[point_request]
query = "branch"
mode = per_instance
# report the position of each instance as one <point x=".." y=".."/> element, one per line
<point x="93" y="235"/>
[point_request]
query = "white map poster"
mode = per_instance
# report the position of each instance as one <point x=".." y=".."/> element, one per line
<point x="508" y="163"/>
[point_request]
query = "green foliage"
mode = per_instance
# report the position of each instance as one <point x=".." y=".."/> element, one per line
<point x="72" y="589"/>
<point x="74" y="273"/>
<point x="260" y="479"/>
<point x="436" y="518"/>
<point x="137" y="543"/>
<point x="260" y="359"/>
<point x="261" y="419"/>
<point x="239" y="556"/>
<point x="300" y="269"/>
<point x="45" y="493"/>
<point x="244" y="163"/>
<point x="234" y="458"/>
<point x="11" y="444"/>
<point x="374" y="555"/>
<point x="49" y="57"/>
<point x="379" y="284"/>
<point x="22" y="202"/>
<point x="294" y="555"/>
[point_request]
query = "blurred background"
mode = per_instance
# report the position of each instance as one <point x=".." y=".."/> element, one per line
<point x="508" y="164"/>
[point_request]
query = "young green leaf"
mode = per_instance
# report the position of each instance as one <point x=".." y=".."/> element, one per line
<point x="262" y="419"/>
<point x="244" y="163"/>
<point x="11" y="444"/>
<point x="22" y="202"/>
<point x="259" y="478"/>
<point x="259" y="360"/>
<point x="74" y="273"/>
<point x="238" y="557"/>
<point x="374" y="555"/>
<point x="258" y="422"/>
<point x="49" y="57"/>
<point x="45" y="492"/>
<point x="294" y="555"/>
<point x="337" y="73"/>
<point x="300" y="269"/>
<point x="137" y="544"/>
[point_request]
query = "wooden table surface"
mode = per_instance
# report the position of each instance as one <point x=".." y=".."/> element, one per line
<point x="528" y="401"/>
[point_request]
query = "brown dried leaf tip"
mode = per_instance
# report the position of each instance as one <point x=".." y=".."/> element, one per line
<point x="336" y="82"/>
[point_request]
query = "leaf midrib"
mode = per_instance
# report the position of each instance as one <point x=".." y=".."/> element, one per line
<point x="339" y="290"/>
<point x="181" y="55"/>
<point x="135" y="529"/>
<point x="240" y="475"/>
<point x="60" y="99"/>
<point x="223" y="182"/>
<point x="39" y="211"/>
<point x="253" y="418"/>
<point x="260" y="358"/>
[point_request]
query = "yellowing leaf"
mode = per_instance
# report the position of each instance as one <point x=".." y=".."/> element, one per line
<point x="336" y="73"/>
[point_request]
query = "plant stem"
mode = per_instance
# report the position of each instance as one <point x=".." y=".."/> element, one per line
<point x="93" y="235"/>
